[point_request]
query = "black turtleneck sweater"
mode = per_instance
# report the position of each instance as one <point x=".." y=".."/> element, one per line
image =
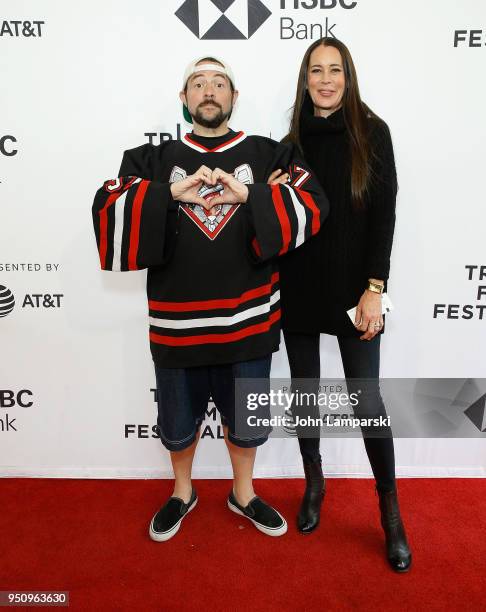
<point x="327" y="276"/>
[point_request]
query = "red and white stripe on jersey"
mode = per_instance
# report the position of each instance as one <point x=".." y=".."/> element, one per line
<point x="118" y="191"/>
<point x="215" y="321"/>
<point x="258" y="328"/>
<point x="187" y="140"/>
<point x="117" y="216"/>
<point x="298" y="176"/>
<point x="298" y="215"/>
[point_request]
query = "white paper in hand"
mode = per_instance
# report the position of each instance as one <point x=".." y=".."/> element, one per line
<point x="386" y="307"/>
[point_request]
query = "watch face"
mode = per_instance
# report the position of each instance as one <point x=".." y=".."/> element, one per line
<point x="376" y="288"/>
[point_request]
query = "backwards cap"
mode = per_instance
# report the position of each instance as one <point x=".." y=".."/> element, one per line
<point x="193" y="67"/>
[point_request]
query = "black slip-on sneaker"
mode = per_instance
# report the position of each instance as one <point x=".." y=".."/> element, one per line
<point x="168" y="519"/>
<point x="262" y="515"/>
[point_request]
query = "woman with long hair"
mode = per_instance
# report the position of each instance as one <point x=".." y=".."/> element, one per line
<point x="345" y="265"/>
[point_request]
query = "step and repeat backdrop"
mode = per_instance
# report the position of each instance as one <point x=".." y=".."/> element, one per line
<point x="83" y="81"/>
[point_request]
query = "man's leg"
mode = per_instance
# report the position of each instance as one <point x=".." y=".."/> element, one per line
<point x="182" y="397"/>
<point x="242" y="444"/>
<point x="182" y="467"/>
<point x="242" y="461"/>
<point x="242" y="454"/>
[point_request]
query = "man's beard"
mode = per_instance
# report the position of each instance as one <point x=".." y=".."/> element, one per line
<point x="213" y="123"/>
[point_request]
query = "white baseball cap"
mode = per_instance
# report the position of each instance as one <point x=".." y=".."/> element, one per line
<point x="193" y="67"/>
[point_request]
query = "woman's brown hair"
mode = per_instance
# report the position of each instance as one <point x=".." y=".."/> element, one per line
<point x="355" y="111"/>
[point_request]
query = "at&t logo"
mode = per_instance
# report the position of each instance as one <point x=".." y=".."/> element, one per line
<point x="7" y="301"/>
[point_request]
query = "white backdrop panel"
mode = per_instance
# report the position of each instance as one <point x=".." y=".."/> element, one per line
<point x="104" y="74"/>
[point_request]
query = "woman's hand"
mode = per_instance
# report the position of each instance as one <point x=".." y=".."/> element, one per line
<point x="368" y="315"/>
<point x="278" y="177"/>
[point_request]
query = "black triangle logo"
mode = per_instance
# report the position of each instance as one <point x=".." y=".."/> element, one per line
<point x="475" y="413"/>
<point x="223" y="5"/>
<point x="223" y="29"/>
<point x="188" y="13"/>
<point x="257" y="14"/>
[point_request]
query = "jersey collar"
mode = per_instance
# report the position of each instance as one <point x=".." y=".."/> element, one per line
<point x="224" y="146"/>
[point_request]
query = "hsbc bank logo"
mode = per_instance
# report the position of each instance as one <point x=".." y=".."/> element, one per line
<point x="223" y="19"/>
<point x="6" y="147"/>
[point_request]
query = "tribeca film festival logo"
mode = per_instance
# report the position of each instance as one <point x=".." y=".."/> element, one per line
<point x="19" y="28"/>
<point x="211" y="430"/>
<point x="240" y="19"/>
<point x="12" y="399"/>
<point x="469" y="38"/>
<point x="467" y="311"/>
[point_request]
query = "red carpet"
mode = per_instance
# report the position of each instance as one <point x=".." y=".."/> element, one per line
<point x="90" y="537"/>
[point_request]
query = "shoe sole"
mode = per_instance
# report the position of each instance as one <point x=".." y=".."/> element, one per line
<point x="163" y="536"/>
<point x="271" y="531"/>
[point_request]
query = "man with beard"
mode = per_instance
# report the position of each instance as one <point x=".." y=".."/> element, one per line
<point x="201" y="216"/>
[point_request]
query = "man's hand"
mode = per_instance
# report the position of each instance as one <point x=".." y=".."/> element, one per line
<point x="277" y="177"/>
<point x="187" y="190"/>
<point x="368" y="315"/>
<point x="234" y="191"/>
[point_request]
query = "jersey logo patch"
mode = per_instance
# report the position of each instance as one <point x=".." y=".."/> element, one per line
<point x="211" y="222"/>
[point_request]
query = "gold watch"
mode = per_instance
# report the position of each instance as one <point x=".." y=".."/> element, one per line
<point x="375" y="287"/>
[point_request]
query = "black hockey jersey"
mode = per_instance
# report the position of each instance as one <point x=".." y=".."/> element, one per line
<point x="212" y="281"/>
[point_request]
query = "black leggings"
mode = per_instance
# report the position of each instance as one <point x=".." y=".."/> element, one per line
<point x="361" y="359"/>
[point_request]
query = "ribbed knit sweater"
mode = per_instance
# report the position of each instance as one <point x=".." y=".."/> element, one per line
<point x="328" y="275"/>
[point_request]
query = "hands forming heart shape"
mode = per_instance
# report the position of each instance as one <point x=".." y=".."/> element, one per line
<point x="210" y="188"/>
<point x="208" y="193"/>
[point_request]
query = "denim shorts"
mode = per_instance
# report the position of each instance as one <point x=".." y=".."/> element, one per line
<point x="183" y="395"/>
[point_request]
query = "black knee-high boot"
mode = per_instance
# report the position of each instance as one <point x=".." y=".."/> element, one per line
<point x="315" y="489"/>
<point x="397" y="549"/>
